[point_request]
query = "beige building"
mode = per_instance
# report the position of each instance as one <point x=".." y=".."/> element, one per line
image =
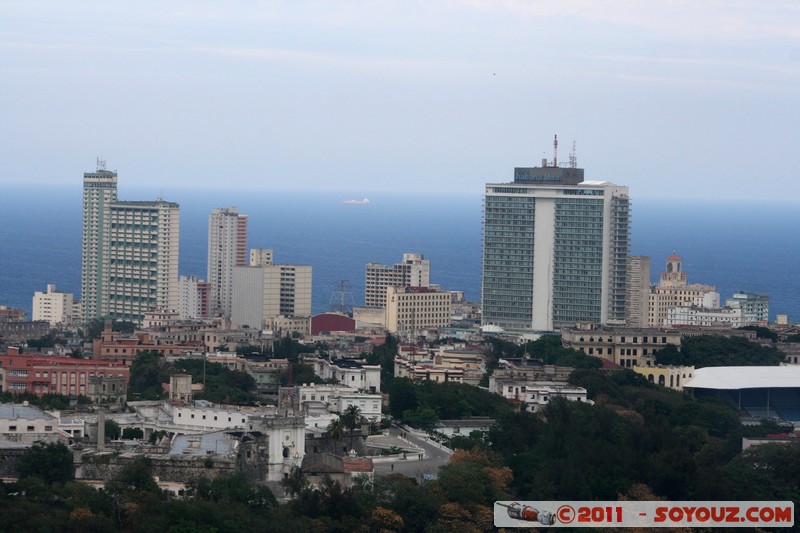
<point x="627" y="347"/>
<point x="637" y="291"/>
<point x="260" y="256"/>
<point x="53" y="306"/>
<point x="413" y="309"/>
<point x="285" y="326"/>
<point x="673" y="290"/>
<point x="265" y="292"/>
<point x="413" y="271"/>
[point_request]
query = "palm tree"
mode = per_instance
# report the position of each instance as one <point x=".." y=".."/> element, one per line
<point x="351" y="418"/>
<point x="336" y="430"/>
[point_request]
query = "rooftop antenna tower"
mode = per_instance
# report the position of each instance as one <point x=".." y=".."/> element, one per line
<point x="342" y="298"/>
<point x="101" y="164"/>
<point x="555" y="151"/>
<point x="573" y="157"/>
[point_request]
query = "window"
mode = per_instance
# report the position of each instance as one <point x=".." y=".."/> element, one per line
<point x="48" y="428"/>
<point x="31" y="428"/>
<point x="12" y="428"/>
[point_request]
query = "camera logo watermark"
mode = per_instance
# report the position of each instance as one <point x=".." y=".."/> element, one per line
<point x="643" y="514"/>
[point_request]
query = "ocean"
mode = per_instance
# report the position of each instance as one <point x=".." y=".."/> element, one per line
<point x="735" y="246"/>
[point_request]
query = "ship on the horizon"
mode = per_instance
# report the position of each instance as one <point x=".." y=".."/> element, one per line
<point x="356" y="202"/>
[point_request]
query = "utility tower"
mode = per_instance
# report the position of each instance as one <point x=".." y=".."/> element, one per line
<point x="342" y="298"/>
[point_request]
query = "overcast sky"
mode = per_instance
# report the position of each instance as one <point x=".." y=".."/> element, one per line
<point x="672" y="98"/>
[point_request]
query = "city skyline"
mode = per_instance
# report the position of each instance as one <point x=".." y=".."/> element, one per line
<point x="674" y="100"/>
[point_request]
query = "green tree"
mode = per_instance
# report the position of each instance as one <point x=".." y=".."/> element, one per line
<point x="148" y="371"/>
<point x="712" y="350"/>
<point x="112" y="429"/>
<point x="351" y="418"/>
<point x="132" y="433"/>
<point x="52" y="463"/>
<point x="336" y="431"/>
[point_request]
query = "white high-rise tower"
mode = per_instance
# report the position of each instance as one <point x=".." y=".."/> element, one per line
<point x="99" y="192"/>
<point x="227" y="248"/>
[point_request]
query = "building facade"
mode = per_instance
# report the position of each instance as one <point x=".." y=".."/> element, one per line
<point x="413" y="271"/>
<point x="347" y="372"/>
<point x="694" y="315"/>
<point x="227" y="248"/>
<point x="40" y="374"/>
<point x="129" y="258"/>
<point x="262" y="293"/>
<point x="54" y="306"/>
<point x="414" y="309"/>
<point x="627" y="347"/>
<point x="193" y="296"/>
<point x="287" y="290"/>
<point x="637" y="291"/>
<point x="554" y="250"/>
<point x="673" y="290"/>
<point x="143" y="258"/>
<point x="755" y="307"/>
<point x="99" y="192"/>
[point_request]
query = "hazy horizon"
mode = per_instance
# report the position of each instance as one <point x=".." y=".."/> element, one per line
<point x="672" y="99"/>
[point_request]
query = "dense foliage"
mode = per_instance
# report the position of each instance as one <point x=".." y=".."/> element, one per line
<point x="713" y="350"/>
<point x="52" y="463"/>
<point x="423" y="403"/>
<point x="47" y="401"/>
<point x="547" y="349"/>
<point x="222" y="385"/>
<point x="95" y="327"/>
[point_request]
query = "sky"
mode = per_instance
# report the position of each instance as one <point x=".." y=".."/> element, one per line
<point x="673" y="98"/>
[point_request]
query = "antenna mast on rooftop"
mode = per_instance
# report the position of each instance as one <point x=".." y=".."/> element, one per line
<point x="555" y="151"/>
<point x="101" y="164"/>
<point x="573" y="157"/>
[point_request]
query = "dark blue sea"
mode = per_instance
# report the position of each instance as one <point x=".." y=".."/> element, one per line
<point x="735" y="246"/>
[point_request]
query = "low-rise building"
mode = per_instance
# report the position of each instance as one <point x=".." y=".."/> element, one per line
<point x="267" y="374"/>
<point x="344" y="470"/>
<point x="755" y="307"/>
<point x="539" y="394"/>
<point x="426" y="370"/>
<point x="348" y="372"/>
<point x="671" y="376"/>
<point x="627" y="347"/>
<point x="335" y="398"/>
<point x="102" y="381"/>
<point x="693" y="315"/>
<point x="24" y="425"/>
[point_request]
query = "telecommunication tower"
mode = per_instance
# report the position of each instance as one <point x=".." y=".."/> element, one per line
<point x="342" y="298"/>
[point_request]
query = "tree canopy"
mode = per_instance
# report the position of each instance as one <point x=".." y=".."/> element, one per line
<point x="714" y="350"/>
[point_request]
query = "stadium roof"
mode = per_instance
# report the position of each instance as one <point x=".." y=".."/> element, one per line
<point x="745" y="377"/>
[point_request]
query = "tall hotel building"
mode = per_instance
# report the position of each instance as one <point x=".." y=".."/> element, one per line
<point x="130" y="252"/>
<point x="227" y="248"/>
<point x="99" y="192"/>
<point x="554" y="250"/>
